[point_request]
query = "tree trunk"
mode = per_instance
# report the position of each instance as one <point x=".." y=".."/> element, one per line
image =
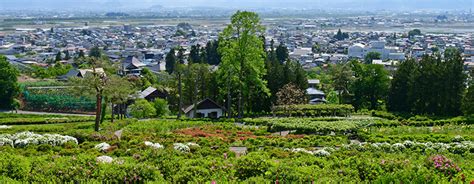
<point x="180" y="101"/>
<point x="104" y="107"/>
<point x="229" y="104"/>
<point x="112" y="117"/>
<point x="98" y="110"/>
<point x="195" y="98"/>
<point x="239" y="106"/>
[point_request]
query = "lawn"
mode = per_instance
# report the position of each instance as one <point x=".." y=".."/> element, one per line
<point x="260" y="150"/>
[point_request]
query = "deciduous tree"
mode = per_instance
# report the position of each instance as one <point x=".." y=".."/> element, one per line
<point x="241" y="50"/>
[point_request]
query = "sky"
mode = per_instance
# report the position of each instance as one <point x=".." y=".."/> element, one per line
<point x="330" y="4"/>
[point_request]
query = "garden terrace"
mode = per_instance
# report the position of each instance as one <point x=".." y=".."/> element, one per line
<point x="321" y="150"/>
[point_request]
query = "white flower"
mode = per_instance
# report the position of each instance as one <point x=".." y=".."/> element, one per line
<point x="458" y="138"/>
<point x="386" y="146"/>
<point x="102" y="146"/>
<point x="181" y="147"/>
<point x="192" y="144"/>
<point x="398" y="147"/>
<point x="23" y="139"/>
<point x="408" y="144"/>
<point x="302" y="150"/>
<point x="5" y="141"/>
<point x="153" y="145"/>
<point x="104" y="159"/>
<point x="329" y="149"/>
<point x="322" y="153"/>
<point x="5" y="127"/>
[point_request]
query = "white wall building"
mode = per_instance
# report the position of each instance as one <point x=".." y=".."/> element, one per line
<point x="359" y="50"/>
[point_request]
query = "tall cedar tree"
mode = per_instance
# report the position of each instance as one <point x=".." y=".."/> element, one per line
<point x="400" y="98"/>
<point x="170" y="61"/>
<point x="194" y="55"/>
<point x="434" y="86"/>
<point x="468" y="102"/>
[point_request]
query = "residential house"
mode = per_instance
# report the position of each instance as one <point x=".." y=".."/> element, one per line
<point x="81" y="73"/>
<point x="151" y="93"/>
<point x="131" y="66"/>
<point x="206" y="108"/>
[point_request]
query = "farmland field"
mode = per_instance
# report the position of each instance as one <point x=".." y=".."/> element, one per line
<point x="354" y="149"/>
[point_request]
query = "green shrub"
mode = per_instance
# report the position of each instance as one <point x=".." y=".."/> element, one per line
<point x="251" y="165"/>
<point x="161" y="107"/>
<point x="15" y="167"/>
<point x="142" y="109"/>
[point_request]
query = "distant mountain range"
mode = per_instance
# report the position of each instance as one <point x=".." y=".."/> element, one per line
<point x="330" y="4"/>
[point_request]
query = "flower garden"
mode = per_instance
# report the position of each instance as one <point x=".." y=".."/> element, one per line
<point x="354" y="149"/>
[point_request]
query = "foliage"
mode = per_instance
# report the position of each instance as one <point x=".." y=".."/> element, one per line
<point x="290" y="95"/>
<point x="414" y="32"/>
<point x="8" y="83"/>
<point x="243" y="57"/>
<point x="252" y="165"/>
<point x="314" y="110"/>
<point x="170" y="61"/>
<point x="280" y="72"/>
<point x="341" y="76"/>
<point x="468" y="101"/>
<point x="340" y="35"/>
<point x="161" y="107"/>
<point x="24" y="120"/>
<point x="332" y="98"/>
<point x="96" y="84"/>
<point x="433" y="86"/>
<point x="54" y="71"/>
<point x="56" y="100"/>
<point x="407" y="156"/>
<point x="370" y="87"/>
<point x="142" y="109"/>
<point x="371" y="56"/>
<point x="400" y="95"/>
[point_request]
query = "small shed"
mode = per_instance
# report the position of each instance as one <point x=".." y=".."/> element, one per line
<point x="206" y="108"/>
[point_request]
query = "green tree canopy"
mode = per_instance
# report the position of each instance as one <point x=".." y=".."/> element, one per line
<point x="243" y="57"/>
<point x="142" y="109"/>
<point x="290" y="94"/>
<point x="170" y="60"/>
<point x="371" y="56"/>
<point x="161" y="107"/>
<point x="468" y="101"/>
<point x="370" y="86"/>
<point x="8" y="83"/>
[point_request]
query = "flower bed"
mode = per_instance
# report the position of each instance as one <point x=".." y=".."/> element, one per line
<point x="24" y="139"/>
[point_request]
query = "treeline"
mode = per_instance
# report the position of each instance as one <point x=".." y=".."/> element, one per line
<point x="434" y="86"/>
<point x="201" y="79"/>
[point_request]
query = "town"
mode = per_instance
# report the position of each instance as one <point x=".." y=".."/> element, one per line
<point x="223" y="95"/>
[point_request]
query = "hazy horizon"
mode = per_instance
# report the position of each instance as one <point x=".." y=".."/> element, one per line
<point x="322" y="4"/>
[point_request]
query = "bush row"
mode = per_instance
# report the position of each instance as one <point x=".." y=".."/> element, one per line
<point x="313" y="110"/>
<point x="40" y="120"/>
